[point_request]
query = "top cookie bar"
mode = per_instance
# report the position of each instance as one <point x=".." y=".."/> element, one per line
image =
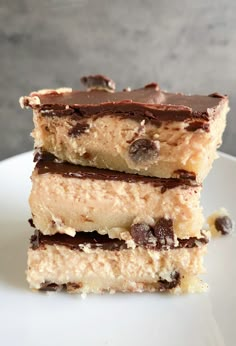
<point x="146" y="131"/>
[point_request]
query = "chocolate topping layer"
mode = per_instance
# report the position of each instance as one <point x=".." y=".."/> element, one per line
<point x="81" y="239"/>
<point x="147" y="96"/>
<point x="149" y="102"/>
<point x="94" y="240"/>
<point x="47" y="164"/>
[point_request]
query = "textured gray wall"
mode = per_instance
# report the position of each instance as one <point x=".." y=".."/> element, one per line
<point x="184" y="45"/>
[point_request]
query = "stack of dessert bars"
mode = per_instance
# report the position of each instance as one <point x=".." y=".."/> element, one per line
<point x="116" y="187"/>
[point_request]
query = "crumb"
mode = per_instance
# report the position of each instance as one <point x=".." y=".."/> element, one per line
<point x="220" y="223"/>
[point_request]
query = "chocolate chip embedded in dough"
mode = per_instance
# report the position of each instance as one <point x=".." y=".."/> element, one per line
<point x="34" y="240"/>
<point x="47" y="286"/>
<point x="224" y="224"/>
<point x="165" y="285"/>
<point x="198" y="125"/>
<point x="183" y="174"/>
<point x="141" y="233"/>
<point x="98" y="82"/>
<point x="78" y="129"/>
<point x="163" y="231"/>
<point x="71" y="286"/>
<point x="143" y="150"/>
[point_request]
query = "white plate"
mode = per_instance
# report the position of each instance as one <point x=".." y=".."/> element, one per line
<point x="33" y="319"/>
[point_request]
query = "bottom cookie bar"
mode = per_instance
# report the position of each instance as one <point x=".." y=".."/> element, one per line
<point x="95" y="264"/>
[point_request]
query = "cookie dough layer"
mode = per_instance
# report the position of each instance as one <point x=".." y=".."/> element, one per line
<point x="126" y="270"/>
<point x="155" y="133"/>
<point x="66" y="198"/>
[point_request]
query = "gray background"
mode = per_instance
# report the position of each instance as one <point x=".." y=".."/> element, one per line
<point x="187" y="46"/>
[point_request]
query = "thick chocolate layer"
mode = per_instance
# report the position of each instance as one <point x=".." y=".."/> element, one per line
<point x="150" y="95"/>
<point x="94" y="240"/>
<point x="81" y="239"/>
<point x="149" y="102"/>
<point x="48" y="164"/>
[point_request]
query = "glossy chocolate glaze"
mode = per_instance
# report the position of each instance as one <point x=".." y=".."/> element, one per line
<point x="148" y="103"/>
<point x="150" y="95"/>
<point x="47" y="164"/>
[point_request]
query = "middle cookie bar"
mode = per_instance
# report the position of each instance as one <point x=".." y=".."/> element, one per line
<point x="67" y="198"/>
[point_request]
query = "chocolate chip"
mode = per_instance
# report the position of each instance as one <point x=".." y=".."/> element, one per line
<point x="224" y="224"/>
<point x="163" y="231"/>
<point x="144" y="149"/>
<point x="141" y="233"/>
<point x="31" y="222"/>
<point x="78" y="129"/>
<point x="43" y="155"/>
<point x="198" y="125"/>
<point x="98" y="82"/>
<point x="165" y="285"/>
<point x="73" y="286"/>
<point x="87" y="156"/>
<point x="47" y="286"/>
<point x="152" y="85"/>
<point x="34" y="240"/>
<point x="183" y="174"/>
<point x="218" y="95"/>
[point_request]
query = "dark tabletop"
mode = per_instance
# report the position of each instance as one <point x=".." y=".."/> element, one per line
<point x="184" y="45"/>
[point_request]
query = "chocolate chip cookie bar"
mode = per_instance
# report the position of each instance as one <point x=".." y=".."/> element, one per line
<point x="115" y="197"/>
<point x="67" y="198"/>
<point x="146" y="131"/>
<point x="91" y="263"/>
